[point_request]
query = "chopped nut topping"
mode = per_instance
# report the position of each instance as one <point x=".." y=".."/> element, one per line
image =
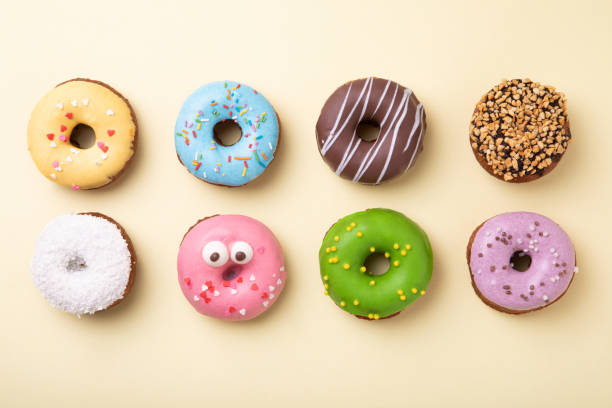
<point x="520" y="128"/>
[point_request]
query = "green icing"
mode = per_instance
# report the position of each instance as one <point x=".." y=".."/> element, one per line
<point x="386" y="231"/>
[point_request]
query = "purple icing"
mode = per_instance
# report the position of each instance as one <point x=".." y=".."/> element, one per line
<point x="553" y="260"/>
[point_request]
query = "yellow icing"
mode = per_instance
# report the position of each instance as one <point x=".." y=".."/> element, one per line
<point x="91" y="167"/>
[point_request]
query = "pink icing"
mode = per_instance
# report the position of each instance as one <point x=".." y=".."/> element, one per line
<point x="256" y="284"/>
<point x="553" y="260"/>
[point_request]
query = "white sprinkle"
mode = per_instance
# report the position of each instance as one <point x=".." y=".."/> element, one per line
<point x="204" y="288"/>
<point x="216" y="293"/>
<point x="552" y="279"/>
<point x="73" y="103"/>
<point x="52" y="144"/>
<point x="103" y="156"/>
<point x="53" y="176"/>
<point x="58" y="168"/>
<point x="576" y="270"/>
<point x="205" y="120"/>
<point x="274" y="275"/>
<point x="85" y="102"/>
<point x="73" y="150"/>
<point x="279" y="282"/>
<point x="519" y="241"/>
<point x="271" y="288"/>
<point x="532" y="227"/>
<point x="270" y="146"/>
<point x="110" y="112"/>
<point x="556" y="255"/>
<point x="242" y="311"/>
<point x="271" y="295"/>
<point x="68" y="159"/>
<point x="545" y="298"/>
<point x="204" y="174"/>
<point x="479" y="271"/>
<point x="545" y="234"/>
<point x="282" y="269"/>
<point x="196" y="298"/>
<point x="531" y="246"/>
<point x="265" y="303"/>
<point x="552" y="250"/>
<point x="536" y="249"/>
<point x="488" y="234"/>
<point x="233" y="291"/>
<point x="252" y="278"/>
<point x="60" y="106"/>
<point x="498" y="229"/>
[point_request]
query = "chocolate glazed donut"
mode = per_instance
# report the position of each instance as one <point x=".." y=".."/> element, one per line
<point x="395" y="109"/>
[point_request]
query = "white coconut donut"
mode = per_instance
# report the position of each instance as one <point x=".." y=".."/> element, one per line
<point x="83" y="263"/>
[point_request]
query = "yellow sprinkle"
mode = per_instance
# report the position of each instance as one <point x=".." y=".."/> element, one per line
<point x="325" y="293"/>
<point x="353" y="224"/>
<point x="199" y="126"/>
<point x="395" y="246"/>
<point x="414" y="290"/>
<point x="347" y="266"/>
<point x="372" y="282"/>
<point x="356" y="302"/>
<point x="422" y="292"/>
<point x="376" y="317"/>
<point x="359" y="234"/>
<point x="408" y="247"/>
<point x="328" y="250"/>
<point x="362" y="269"/>
<point x="399" y="291"/>
<point x="333" y="248"/>
<point x="387" y="255"/>
<point x="370" y="316"/>
<point x="243" y="171"/>
<point x="223" y="174"/>
<point x="403" y="253"/>
<point x="395" y="263"/>
<point x="372" y="249"/>
<point x="348" y="229"/>
<point x="342" y="303"/>
<point x="336" y="238"/>
<point x="242" y="112"/>
<point x="403" y="297"/>
<point x="325" y="277"/>
<point x="331" y="260"/>
<point x="326" y="286"/>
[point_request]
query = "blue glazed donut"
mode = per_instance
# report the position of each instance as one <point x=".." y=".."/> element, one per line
<point x="212" y="162"/>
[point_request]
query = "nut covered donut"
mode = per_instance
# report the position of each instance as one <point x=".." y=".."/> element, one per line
<point x="83" y="263"/>
<point x="520" y="262"/>
<point x="348" y="244"/>
<point x="82" y="102"/>
<point x="231" y="267"/>
<point x="393" y="108"/>
<point x="204" y="155"/>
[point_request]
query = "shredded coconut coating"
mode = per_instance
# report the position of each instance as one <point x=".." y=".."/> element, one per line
<point x="81" y="263"/>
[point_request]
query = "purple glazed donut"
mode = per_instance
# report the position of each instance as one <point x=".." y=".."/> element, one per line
<point x="520" y="262"/>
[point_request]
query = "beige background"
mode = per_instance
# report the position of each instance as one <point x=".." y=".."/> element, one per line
<point x="446" y="349"/>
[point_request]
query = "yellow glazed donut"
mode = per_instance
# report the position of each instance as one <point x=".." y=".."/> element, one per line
<point x="91" y="103"/>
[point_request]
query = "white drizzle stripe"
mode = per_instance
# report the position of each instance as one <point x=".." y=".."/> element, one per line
<point x="389" y="109"/>
<point x="416" y="149"/>
<point x="367" y="166"/>
<point x="382" y="97"/>
<point x="346" y="160"/>
<point x="397" y="127"/>
<point x="330" y="140"/>
<point x="417" y="121"/>
<point x="340" y="113"/>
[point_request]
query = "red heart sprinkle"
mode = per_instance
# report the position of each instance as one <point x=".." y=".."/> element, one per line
<point x="226" y="284"/>
<point x="63" y="128"/>
<point x="232" y="309"/>
<point x="208" y="283"/>
<point x="187" y="281"/>
<point x="203" y="294"/>
<point x="239" y="280"/>
<point x="50" y="136"/>
<point x="264" y="295"/>
<point x="110" y="132"/>
<point x="207" y="300"/>
<point x="254" y="286"/>
<point x="69" y="115"/>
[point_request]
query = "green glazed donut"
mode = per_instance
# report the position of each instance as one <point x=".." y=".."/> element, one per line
<point x="352" y="239"/>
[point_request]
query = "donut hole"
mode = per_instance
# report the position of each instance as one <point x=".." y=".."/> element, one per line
<point x="368" y="130"/>
<point x="376" y="264"/>
<point x="227" y="133"/>
<point x="520" y="261"/>
<point x="231" y="273"/>
<point x="75" y="263"/>
<point x="82" y="136"/>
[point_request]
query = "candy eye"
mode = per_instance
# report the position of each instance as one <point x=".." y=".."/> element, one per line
<point x="215" y="253"/>
<point x="241" y="252"/>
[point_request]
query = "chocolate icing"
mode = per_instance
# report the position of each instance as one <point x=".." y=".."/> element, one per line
<point x="395" y="109"/>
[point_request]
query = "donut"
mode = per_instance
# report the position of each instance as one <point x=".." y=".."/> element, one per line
<point x="204" y="155"/>
<point x="519" y="130"/>
<point x="351" y="240"/>
<point x="520" y="262"/>
<point x="82" y="102"/>
<point x="384" y="103"/>
<point x="83" y="263"/>
<point x="231" y="267"/>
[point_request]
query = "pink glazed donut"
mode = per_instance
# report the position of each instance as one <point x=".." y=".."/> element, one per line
<point x="231" y="267"/>
<point x="520" y="262"/>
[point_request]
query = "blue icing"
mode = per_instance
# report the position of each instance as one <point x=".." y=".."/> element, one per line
<point x="208" y="160"/>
